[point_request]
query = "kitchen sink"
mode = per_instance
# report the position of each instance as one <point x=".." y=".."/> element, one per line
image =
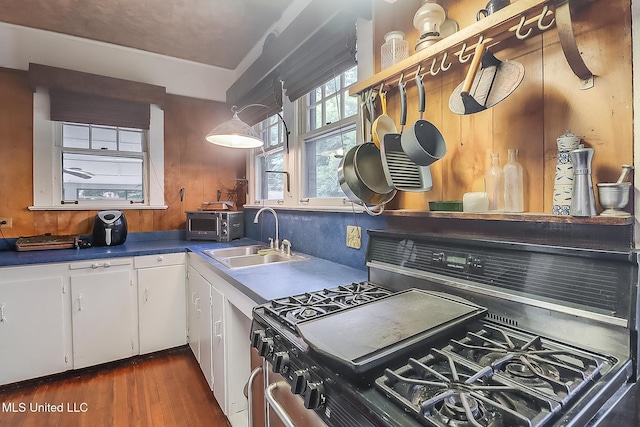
<point x="233" y="252"/>
<point x="248" y="256"/>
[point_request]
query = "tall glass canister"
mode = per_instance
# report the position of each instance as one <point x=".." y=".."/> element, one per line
<point x="513" y="183"/>
<point x="494" y="184"/>
<point x="563" y="184"/>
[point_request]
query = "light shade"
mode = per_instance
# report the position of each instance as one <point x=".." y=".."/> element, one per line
<point x="235" y="133"/>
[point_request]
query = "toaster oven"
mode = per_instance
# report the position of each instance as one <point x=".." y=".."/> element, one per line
<point x="219" y="226"/>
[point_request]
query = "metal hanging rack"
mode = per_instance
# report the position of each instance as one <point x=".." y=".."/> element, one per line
<point x="522" y="19"/>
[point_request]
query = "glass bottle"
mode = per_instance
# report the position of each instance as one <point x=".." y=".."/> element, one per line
<point x="494" y="184"/>
<point x="394" y="49"/>
<point x="513" y="183"/>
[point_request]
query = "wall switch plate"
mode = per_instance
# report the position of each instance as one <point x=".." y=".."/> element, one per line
<point x="354" y="236"/>
<point x="9" y="222"/>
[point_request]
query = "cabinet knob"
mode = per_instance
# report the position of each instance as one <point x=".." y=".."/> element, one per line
<point x="95" y="265"/>
<point x="160" y="258"/>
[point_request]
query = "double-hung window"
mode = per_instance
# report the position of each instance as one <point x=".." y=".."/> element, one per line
<point x="102" y="163"/>
<point x="329" y="118"/>
<point x="307" y="173"/>
<point x="271" y="179"/>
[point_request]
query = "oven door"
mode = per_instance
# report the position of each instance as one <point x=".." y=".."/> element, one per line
<point x="283" y="408"/>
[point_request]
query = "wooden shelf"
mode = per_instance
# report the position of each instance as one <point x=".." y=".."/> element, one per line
<point x="494" y="28"/>
<point x="518" y="217"/>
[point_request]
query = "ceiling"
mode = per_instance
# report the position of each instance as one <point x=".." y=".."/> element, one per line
<point x="214" y="32"/>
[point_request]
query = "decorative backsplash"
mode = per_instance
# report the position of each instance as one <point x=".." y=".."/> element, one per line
<point x="320" y="234"/>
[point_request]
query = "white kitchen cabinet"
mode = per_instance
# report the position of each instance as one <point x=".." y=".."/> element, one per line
<point x="32" y="323"/>
<point x="162" y="307"/>
<point x="218" y="346"/>
<point x="200" y="330"/>
<point x="231" y="314"/>
<point x="103" y="311"/>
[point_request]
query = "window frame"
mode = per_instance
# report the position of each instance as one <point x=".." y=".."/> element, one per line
<point x="47" y="163"/>
<point x="294" y="113"/>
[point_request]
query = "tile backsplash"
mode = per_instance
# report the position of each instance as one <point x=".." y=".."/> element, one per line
<point x="320" y="234"/>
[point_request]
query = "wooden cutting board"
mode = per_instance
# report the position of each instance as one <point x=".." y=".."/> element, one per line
<point x="46" y="241"/>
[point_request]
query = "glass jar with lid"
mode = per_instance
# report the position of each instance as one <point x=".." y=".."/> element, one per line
<point x="394" y="49"/>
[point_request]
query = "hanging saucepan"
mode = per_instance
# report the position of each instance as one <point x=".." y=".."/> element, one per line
<point x="362" y="178"/>
<point x="423" y="143"/>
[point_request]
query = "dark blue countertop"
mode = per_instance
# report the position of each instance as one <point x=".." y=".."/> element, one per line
<point x="260" y="283"/>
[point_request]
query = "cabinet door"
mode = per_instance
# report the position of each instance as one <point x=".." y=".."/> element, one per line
<point x="218" y="346"/>
<point x="102" y="317"/>
<point x="192" y="309"/>
<point x="162" y="308"/>
<point x="31" y="329"/>
<point x="204" y="330"/>
<point x="200" y="323"/>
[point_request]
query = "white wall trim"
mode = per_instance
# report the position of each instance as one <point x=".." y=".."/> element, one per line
<point x="22" y="45"/>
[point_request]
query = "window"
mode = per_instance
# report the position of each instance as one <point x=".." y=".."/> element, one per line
<point x="85" y="166"/>
<point x="104" y="163"/>
<point x="271" y="179"/>
<point x="330" y="130"/>
<point x="326" y="128"/>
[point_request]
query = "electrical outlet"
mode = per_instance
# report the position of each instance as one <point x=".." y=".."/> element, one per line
<point x="354" y="237"/>
<point x="6" y="222"/>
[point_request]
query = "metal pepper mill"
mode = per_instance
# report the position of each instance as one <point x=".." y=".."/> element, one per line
<point x="583" y="202"/>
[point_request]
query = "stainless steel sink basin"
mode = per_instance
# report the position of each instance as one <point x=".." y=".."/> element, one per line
<point x="247" y="256"/>
<point x="239" y="251"/>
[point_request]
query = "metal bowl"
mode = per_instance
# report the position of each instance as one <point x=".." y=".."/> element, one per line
<point x="613" y="197"/>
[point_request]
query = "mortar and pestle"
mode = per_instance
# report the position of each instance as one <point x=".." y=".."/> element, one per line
<point x="614" y="196"/>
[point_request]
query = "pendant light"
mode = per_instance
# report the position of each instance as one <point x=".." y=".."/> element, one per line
<point x="235" y="133"/>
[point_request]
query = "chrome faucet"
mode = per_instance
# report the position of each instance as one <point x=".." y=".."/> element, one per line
<point x="275" y="215"/>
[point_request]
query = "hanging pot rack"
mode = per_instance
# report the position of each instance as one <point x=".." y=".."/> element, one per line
<point x="522" y="19"/>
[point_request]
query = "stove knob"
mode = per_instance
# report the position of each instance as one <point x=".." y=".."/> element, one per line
<point x="314" y="396"/>
<point x="300" y="380"/>
<point x="265" y="346"/>
<point x="280" y="362"/>
<point x="257" y="337"/>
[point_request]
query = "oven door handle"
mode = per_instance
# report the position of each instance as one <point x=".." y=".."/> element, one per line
<point x="249" y="393"/>
<point x="277" y="408"/>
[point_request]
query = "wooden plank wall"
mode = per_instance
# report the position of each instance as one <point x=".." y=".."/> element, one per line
<point x="547" y="103"/>
<point x="190" y="163"/>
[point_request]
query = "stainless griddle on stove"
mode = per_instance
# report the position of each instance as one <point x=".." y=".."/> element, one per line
<point x="366" y="336"/>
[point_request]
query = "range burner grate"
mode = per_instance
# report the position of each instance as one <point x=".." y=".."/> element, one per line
<point x="298" y="308"/>
<point x="556" y="372"/>
<point x="441" y="389"/>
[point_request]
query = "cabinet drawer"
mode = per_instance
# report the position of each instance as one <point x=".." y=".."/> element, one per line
<point x="99" y="263"/>
<point x="159" y="260"/>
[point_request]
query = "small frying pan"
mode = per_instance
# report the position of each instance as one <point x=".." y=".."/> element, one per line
<point x="423" y="143"/>
<point x="383" y="124"/>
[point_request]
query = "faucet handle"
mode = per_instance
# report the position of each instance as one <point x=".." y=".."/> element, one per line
<point x="271" y="242"/>
<point x="286" y="243"/>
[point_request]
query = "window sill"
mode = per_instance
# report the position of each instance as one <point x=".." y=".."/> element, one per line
<point x="317" y="208"/>
<point x="96" y="207"/>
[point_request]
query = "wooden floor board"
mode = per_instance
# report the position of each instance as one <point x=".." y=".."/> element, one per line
<point x="166" y="389"/>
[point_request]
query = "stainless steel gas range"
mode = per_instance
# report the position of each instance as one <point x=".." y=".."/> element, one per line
<point x="453" y="332"/>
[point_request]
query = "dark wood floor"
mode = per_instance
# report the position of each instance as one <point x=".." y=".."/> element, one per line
<point x="164" y="389"/>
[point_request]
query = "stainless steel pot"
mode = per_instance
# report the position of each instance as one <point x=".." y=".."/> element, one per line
<point x="362" y="178"/>
<point x="423" y="143"/>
